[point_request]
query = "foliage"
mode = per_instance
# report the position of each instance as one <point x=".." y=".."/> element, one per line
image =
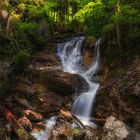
<point x="102" y="17"/>
<point x="93" y="16"/>
<point x="29" y="19"/>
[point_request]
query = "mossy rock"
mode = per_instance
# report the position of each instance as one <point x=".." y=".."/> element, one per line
<point x="3" y="133"/>
<point x="23" y="135"/>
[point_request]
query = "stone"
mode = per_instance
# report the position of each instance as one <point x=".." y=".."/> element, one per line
<point x="133" y="135"/>
<point x="90" y="135"/>
<point x="32" y="115"/>
<point x="24" y="121"/>
<point x="115" y="129"/>
<point x="84" y="134"/>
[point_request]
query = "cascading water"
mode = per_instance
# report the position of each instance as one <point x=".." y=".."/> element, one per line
<point x="72" y="61"/>
<point x="70" y="55"/>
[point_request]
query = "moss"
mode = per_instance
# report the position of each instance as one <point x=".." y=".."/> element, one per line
<point x="3" y="134"/>
<point x="23" y="135"/>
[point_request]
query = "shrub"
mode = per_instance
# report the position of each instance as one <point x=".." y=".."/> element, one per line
<point x="20" y="60"/>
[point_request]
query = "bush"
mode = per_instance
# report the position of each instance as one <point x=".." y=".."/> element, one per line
<point x="20" y="60"/>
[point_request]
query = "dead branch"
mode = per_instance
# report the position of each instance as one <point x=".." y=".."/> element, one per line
<point x="78" y="122"/>
<point x="69" y="116"/>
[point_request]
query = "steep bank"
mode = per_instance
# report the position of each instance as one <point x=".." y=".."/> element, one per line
<point x="119" y="94"/>
<point x="41" y="88"/>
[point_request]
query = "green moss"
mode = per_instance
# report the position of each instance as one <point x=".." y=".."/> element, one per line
<point x="3" y="134"/>
<point x="23" y="135"/>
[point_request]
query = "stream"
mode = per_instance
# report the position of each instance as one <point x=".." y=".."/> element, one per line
<point x="71" y="56"/>
<point x="72" y="60"/>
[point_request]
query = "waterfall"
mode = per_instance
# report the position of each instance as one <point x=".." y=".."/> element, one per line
<point x="70" y="55"/>
<point x="72" y="62"/>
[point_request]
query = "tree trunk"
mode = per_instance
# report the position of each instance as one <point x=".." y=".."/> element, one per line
<point x="118" y="33"/>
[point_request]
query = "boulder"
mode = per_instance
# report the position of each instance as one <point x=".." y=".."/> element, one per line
<point x="55" y="80"/>
<point x="115" y="129"/>
<point x="84" y="134"/>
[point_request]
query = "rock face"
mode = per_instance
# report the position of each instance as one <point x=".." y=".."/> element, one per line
<point x="40" y="91"/>
<point x="115" y="129"/>
<point x="119" y="94"/>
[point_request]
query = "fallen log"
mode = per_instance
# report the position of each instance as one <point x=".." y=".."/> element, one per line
<point x="69" y="116"/>
<point x="17" y="128"/>
<point x="77" y="121"/>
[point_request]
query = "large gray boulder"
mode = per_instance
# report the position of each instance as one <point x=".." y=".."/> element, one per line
<point x="115" y="129"/>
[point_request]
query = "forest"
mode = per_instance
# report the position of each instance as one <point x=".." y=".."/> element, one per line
<point x="69" y="70"/>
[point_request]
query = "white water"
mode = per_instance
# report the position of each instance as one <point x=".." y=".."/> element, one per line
<point x="70" y="55"/>
<point x="72" y="62"/>
<point x="44" y="134"/>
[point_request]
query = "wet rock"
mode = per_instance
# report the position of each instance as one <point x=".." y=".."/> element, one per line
<point x="38" y="126"/>
<point x="133" y="136"/>
<point x="90" y="41"/>
<point x="85" y="134"/>
<point x="23" y="135"/>
<point x="115" y="129"/>
<point x="55" y="80"/>
<point x="62" y="137"/>
<point x="88" y="56"/>
<point x="78" y="135"/>
<point x="32" y="115"/>
<point x="24" y="121"/>
<point x="81" y="84"/>
<point x="62" y="129"/>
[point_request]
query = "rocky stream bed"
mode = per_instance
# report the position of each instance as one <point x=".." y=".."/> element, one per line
<point x="43" y="90"/>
